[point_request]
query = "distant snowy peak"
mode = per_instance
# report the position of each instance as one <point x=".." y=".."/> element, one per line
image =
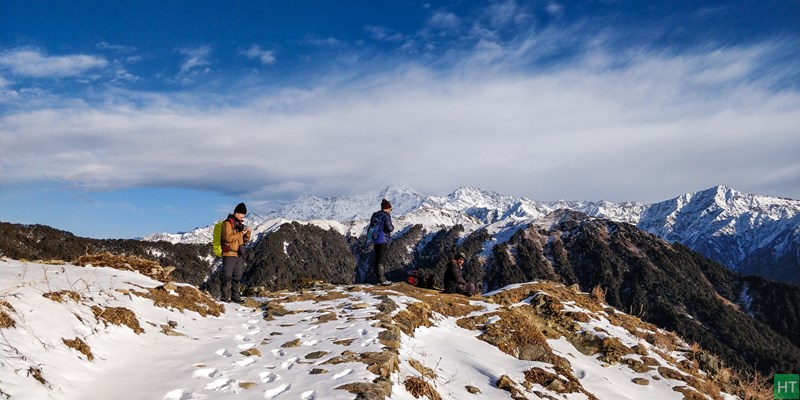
<point x="349" y="208"/>
<point x="724" y="224"/>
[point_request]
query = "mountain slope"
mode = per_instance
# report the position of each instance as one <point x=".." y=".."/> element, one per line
<point x="123" y="333"/>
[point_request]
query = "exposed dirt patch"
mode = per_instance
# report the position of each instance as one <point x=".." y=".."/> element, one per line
<point x="118" y="316"/>
<point x="81" y="346"/>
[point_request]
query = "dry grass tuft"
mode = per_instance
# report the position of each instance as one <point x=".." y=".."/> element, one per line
<point x="755" y="388"/>
<point x="425" y="371"/>
<point x="36" y="373"/>
<point x="517" y="334"/>
<point x="414" y="316"/>
<point x="61" y="296"/>
<point x="123" y="262"/>
<point x="118" y="316"/>
<point x="598" y="294"/>
<point x="419" y="387"/>
<point x="81" y="346"/>
<point x="454" y="305"/>
<point x="183" y="297"/>
<point x="5" y="320"/>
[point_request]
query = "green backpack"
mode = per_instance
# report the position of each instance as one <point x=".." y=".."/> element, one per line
<point x="217" y="241"/>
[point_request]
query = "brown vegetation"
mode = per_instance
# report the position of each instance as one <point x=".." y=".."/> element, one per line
<point x="118" y="316"/>
<point x="5" y="320"/>
<point x="182" y="297"/>
<point x="124" y="262"/>
<point x="61" y="295"/>
<point x="81" y="346"/>
<point x="419" y="387"/>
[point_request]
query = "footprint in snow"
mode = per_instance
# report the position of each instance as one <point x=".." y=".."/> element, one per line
<point x="178" y="394"/>
<point x="246" y="346"/>
<point x="205" y="373"/>
<point x="223" y="353"/>
<point x="309" y="395"/>
<point x="268" y="377"/>
<point x="288" y="364"/>
<point x="242" y="338"/>
<point x="368" y="342"/>
<point x="220" y="384"/>
<point x="270" y="393"/>
<point x="343" y="373"/>
<point x="278" y="352"/>
<point x="247" y="361"/>
<point x="254" y="332"/>
<point x="362" y="332"/>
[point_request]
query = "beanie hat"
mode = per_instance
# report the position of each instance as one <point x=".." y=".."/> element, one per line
<point x="385" y="204"/>
<point x="240" y="208"/>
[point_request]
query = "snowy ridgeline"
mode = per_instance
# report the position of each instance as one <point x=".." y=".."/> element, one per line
<point x="738" y="224"/>
<point x="73" y="332"/>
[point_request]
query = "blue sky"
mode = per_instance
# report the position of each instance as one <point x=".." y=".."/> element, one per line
<point x="119" y="119"/>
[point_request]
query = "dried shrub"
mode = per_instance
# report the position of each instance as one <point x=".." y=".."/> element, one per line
<point x="414" y="316"/>
<point x="118" y="316"/>
<point x="5" y="320"/>
<point x="425" y="371"/>
<point x="61" y="296"/>
<point x="454" y="305"/>
<point x="183" y="297"/>
<point x="419" y="387"/>
<point x="36" y="373"/>
<point x="598" y="294"/>
<point x="124" y="262"/>
<point x="81" y="346"/>
<point x="517" y="334"/>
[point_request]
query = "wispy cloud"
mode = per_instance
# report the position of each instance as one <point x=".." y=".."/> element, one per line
<point x="643" y="128"/>
<point x="30" y="62"/>
<point x="197" y="61"/>
<point x="267" y="57"/>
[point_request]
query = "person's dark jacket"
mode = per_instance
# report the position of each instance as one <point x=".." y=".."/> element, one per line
<point x="384" y="226"/>
<point x="453" y="277"/>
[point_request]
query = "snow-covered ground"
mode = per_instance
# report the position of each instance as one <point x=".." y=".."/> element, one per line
<point x="298" y="346"/>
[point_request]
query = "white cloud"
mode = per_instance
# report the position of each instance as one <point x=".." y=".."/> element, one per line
<point x="267" y="57"/>
<point x="444" y="20"/>
<point x="196" y="61"/>
<point x="33" y="63"/>
<point x="620" y="126"/>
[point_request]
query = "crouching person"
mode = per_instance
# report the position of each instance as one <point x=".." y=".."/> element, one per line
<point x="453" y="280"/>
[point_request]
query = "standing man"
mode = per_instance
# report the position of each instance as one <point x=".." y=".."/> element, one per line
<point x="380" y="230"/>
<point x="453" y="280"/>
<point x="234" y="237"/>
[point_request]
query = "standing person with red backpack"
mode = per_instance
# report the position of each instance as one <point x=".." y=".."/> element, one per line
<point x="379" y="231"/>
<point x="234" y="237"/>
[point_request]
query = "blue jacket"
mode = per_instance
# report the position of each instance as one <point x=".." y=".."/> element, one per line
<point x="383" y="226"/>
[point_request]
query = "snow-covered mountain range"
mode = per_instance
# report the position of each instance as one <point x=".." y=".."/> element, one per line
<point x="742" y="231"/>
